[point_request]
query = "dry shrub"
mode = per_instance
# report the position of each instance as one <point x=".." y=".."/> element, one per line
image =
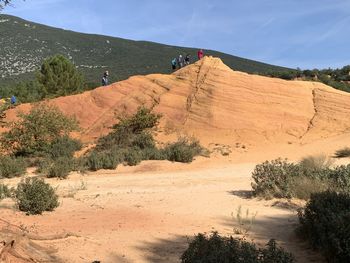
<point x="316" y="162"/>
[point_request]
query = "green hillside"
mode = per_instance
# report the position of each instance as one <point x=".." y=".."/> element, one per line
<point x="24" y="45"/>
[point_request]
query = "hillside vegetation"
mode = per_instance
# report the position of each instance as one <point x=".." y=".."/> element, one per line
<point x="26" y="44"/>
<point x="336" y="78"/>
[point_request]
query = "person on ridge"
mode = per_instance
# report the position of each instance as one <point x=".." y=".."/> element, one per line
<point x="180" y="61"/>
<point x="13" y="100"/>
<point x="187" y="59"/>
<point x="200" y="54"/>
<point x="173" y="64"/>
<point x="105" y="78"/>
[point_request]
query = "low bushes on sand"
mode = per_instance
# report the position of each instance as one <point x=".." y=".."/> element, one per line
<point x="11" y="167"/>
<point x="282" y="179"/>
<point x="273" y="178"/>
<point x="34" y="196"/>
<point x="34" y="132"/>
<point x="5" y="191"/>
<point x="184" y="150"/>
<point x="131" y="141"/>
<point x="324" y="222"/>
<point x="217" y="249"/>
<point x="63" y="146"/>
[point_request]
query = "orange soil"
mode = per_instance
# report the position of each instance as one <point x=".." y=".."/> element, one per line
<point x="146" y="213"/>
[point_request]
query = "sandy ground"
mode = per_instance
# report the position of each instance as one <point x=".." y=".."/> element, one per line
<point x="147" y="213"/>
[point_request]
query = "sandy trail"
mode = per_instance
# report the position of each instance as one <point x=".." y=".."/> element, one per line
<point x="145" y="213"/>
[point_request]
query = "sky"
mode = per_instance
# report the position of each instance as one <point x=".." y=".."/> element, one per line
<point x="292" y="33"/>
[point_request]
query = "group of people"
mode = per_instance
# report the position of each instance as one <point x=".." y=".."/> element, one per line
<point x="176" y="63"/>
<point x="5" y="104"/>
<point x="183" y="61"/>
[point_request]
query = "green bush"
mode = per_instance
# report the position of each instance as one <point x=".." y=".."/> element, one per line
<point x="34" y="196"/>
<point x="5" y="191"/>
<point x="325" y="223"/>
<point x="342" y="153"/>
<point x="182" y="151"/>
<point x="153" y="154"/>
<point x="60" y="167"/>
<point x="131" y="141"/>
<point x="217" y="249"/>
<point x="11" y="167"/>
<point x="143" y="140"/>
<point x="133" y="156"/>
<point x="340" y="178"/>
<point x="282" y="179"/>
<point x="273" y="179"/>
<point x="63" y="146"/>
<point x="33" y="133"/>
<point x="103" y="160"/>
<point x="130" y="131"/>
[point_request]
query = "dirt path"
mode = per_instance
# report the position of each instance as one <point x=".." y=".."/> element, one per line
<point x="145" y="214"/>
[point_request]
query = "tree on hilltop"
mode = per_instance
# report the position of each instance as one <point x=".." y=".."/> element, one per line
<point x="59" y="76"/>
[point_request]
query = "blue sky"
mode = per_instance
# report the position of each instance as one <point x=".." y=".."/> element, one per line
<point x="292" y="33"/>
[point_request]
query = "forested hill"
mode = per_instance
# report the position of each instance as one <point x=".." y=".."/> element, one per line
<point x="24" y="45"/>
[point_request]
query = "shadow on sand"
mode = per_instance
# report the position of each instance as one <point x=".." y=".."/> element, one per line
<point x="164" y="250"/>
<point x="244" y="194"/>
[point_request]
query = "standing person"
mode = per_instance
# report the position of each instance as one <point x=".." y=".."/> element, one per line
<point x="200" y="54"/>
<point x="13" y="100"/>
<point x="187" y="59"/>
<point x="105" y="78"/>
<point x="173" y="63"/>
<point x="180" y="61"/>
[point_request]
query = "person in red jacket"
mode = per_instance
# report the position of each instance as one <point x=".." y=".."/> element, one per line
<point x="200" y="54"/>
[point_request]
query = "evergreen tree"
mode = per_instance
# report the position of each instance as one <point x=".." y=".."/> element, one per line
<point x="60" y="77"/>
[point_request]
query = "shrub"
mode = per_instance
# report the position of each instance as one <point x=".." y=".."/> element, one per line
<point x="5" y="191"/>
<point x="60" y="167"/>
<point x="217" y="249"/>
<point x="34" y="196"/>
<point x="133" y="156"/>
<point x="340" y="178"/>
<point x="124" y="132"/>
<point x="344" y="152"/>
<point x="315" y="162"/>
<point x="11" y="167"/>
<point x="182" y="151"/>
<point x="281" y="179"/>
<point x="325" y="223"/>
<point x="303" y="187"/>
<point x="63" y="147"/>
<point x="34" y="132"/>
<point x="102" y="160"/>
<point x="131" y="141"/>
<point x="273" y="179"/>
<point x="153" y="154"/>
<point x="143" y="140"/>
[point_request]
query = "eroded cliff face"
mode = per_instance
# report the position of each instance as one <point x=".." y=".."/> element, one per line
<point x="215" y="104"/>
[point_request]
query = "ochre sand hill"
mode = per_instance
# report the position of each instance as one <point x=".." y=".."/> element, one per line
<point x="145" y="213"/>
<point x="216" y="105"/>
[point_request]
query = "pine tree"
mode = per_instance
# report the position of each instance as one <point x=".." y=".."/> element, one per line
<point x="60" y="77"/>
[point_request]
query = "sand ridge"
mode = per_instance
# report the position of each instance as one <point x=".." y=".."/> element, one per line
<point x="215" y="104"/>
